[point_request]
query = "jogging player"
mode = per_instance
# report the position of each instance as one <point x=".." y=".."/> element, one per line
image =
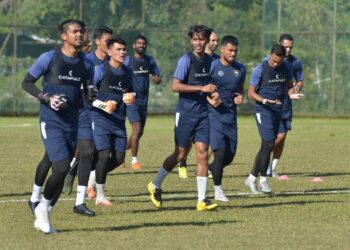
<point x="191" y="81"/>
<point x="64" y="71"/>
<point x="142" y="66"/>
<point x="267" y="87"/>
<point x="228" y="75"/>
<point x="114" y="83"/>
<point x="286" y="41"/>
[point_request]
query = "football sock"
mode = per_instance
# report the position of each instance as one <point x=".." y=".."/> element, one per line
<point x="263" y="179"/>
<point x="274" y="164"/>
<point x="252" y="178"/>
<point x="162" y="173"/>
<point x="218" y="189"/>
<point x="92" y="178"/>
<point x="100" y="191"/>
<point x="35" y="193"/>
<point x="202" y="183"/>
<point x="81" y="190"/>
<point x="134" y="159"/>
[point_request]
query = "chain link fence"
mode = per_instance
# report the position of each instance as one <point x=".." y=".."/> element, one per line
<point x="321" y="31"/>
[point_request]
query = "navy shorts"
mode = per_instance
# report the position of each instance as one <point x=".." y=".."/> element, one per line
<point x="190" y="129"/>
<point x="59" y="143"/>
<point x="224" y="138"/>
<point x="268" y="125"/>
<point x="109" y="134"/>
<point x="285" y="125"/>
<point x="137" y="113"/>
<point x="84" y="127"/>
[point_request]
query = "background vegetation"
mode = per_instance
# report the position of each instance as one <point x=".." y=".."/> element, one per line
<point x="321" y="30"/>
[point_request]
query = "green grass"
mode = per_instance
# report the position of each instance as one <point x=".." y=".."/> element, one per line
<point x="309" y="218"/>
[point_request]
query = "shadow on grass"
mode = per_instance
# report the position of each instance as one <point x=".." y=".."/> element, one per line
<point x="149" y="225"/>
<point x="277" y="204"/>
<point x="16" y="194"/>
<point x="326" y="174"/>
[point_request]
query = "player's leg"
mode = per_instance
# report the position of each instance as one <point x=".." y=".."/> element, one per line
<point x="40" y="176"/>
<point x="91" y="193"/>
<point x="285" y="126"/>
<point x="182" y="166"/>
<point x="69" y="180"/>
<point x="133" y="143"/>
<point x="267" y="131"/>
<point x="201" y="143"/>
<point x="86" y="151"/>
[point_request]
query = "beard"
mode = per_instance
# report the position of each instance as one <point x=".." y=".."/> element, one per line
<point x="140" y="50"/>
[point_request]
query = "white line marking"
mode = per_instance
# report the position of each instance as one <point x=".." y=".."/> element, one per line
<point x="23" y="125"/>
<point x="194" y="195"/>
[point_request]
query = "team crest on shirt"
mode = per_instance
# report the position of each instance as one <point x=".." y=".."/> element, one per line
<point x="220" y="73"/>
<point x="236" y="73"/>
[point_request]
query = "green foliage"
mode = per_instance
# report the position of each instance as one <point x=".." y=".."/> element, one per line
<point x="254" y="22"/>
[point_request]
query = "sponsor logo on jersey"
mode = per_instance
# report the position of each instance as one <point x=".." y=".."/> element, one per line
<point x="220" y="73"/>
<point x="117" y="87"/>
<point x="236" y="73"/>
<point x="69" y="77"/>
<point x="141" y="71"/>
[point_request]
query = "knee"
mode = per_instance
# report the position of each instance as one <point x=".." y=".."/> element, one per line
<point x="267" y="145"/>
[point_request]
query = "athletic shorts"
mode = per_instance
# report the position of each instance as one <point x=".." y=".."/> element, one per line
<point x="285" y="125"/>
<point x="190" y="129"/>
<point x="224" y="138"/>
<point x="59" y="143"/>
<point x="137" y="113"/>
<point x="84" y="127"/>
<point x="268" y="124"/>
<point x="109" y="135"/>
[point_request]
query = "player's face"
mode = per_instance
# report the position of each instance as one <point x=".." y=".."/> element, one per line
<point x="288" y="45"/>
<point x="198" y="42"/>
<point x="102" y="42"/>
<point x="228" y="52"/>
<point x="140" y="46"/>
<point x="213" y="42"/>
<point x="87" y="45"/>
<point x="117" y="52"/>
<point x="73" y="36"/>
<point x="275" y="61"/>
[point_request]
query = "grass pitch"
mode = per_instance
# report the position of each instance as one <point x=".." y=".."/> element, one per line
<point x="300" y="214"/>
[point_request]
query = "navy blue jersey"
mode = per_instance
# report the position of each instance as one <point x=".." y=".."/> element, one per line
<point x="214" y="56"/>
<point x="94" y="59"/>
<point x="112" y="83"/>
<point x="192" y="70"/>
<point x="271" y="83"/>
<point x="229" y="80"/>
<point x="62" y="75"/>
<point x="142" y="68"/>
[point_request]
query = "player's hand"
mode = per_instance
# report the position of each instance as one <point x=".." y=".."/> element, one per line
<point x="268" y="101"/>
<point x="129" y="98"/>
<point x="58" y="102"/>
<point x="92" y="93"/>
<point x="214" y="95"/>
<point x="209" y="88"/>
<point x="214" y="102"/>
<point x="238" y="99"/>
<point x="108" y="106"/>
<point x="156" y="78"/>
<point x="296" y="96"/>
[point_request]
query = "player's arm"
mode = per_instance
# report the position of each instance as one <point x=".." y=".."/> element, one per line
<point x="254" y="96"/>
<point x="299" y="77"/>
<point x="178" y="86"/>
<point x="239" y="96"/>
<point x="155" y="72"/>
<point x="292" y="91"/>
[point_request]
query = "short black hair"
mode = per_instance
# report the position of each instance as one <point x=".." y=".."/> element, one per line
<point x="141" y="37"/>
<point x="229" y="39"/>
<point x="99" y="31"/>
<point x="63" y="27"/>
<point x="285" y="37"/>
<point x="114" y="40"/>
<point x="278" y="50"/>
<point x="199" y="28"/>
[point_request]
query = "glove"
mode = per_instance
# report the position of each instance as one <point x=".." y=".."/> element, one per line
<point x="108" y="106"/>
<point x="55" y="102"/>
<point x="92" y="92"/>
